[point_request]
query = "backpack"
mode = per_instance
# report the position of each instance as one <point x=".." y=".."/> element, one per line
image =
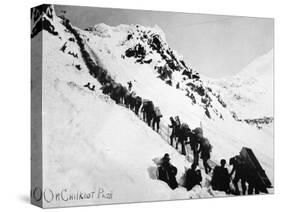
<point x="133" y="94"/>
<point x="158" y="112"/>
<point x="177" y="120"/>
<point x="206" y="144"/>
<point x="198" y="131"/>
<point x="185" y="128"/>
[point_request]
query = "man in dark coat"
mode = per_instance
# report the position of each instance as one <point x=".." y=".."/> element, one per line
<point x="116" y="92"/>
<point x="132" y="100"/>
<point x="205" y="149"/>
<point x="156" y="118"/>
<point x="167" y="172"/>
<point x="194" y="141"/>
<point x="193" y="177"/>
<point x="127" y="99"/>
<point x="183" y="133"/>
<point x="240" y="173"/>
<point x="148" y="110"/>
<point x="220" y="179"/>
<point x="253" y="181"/>
<point x="123" y="93"/>
<point x="138" y="102"/>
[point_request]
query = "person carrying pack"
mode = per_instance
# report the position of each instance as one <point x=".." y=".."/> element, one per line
<point x="149" y="112"/>
<point x="205" y="150"/>
<point x="220" y="179"/>
<point x="177" y="129"/>
<point x="183" y="134"/>
<point x="138" y="102"/>
<point x="240" y="173"/>
<point x="195" y="137"/>
<point x="157" y="115"/>
<point x="167" y="172"/>
<point x="193" y="177"/>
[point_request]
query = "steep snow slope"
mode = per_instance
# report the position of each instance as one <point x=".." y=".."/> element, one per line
<point x="250" y="92"/>
<point x="90" y="143"/>
<point x="226" y="134"/>
<point x="137" y="46"/>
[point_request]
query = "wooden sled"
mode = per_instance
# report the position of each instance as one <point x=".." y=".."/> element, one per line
<point x="251" y="161"/>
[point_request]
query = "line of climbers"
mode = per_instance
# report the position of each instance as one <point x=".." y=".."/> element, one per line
<point x="221" y="178"/>
<point x="150" y="114"/>
<point x="119" y="93"/>
<point x="181" y="132"/>
<point x="199" y="144"/>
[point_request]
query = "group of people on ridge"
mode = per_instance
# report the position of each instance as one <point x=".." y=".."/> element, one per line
<point x="151" y="114"/>
<point x="199" y="145"/>
<point x="242" y="173"/>
<point x="118" y="92"/>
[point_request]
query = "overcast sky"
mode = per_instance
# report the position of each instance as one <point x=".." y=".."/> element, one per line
<point x="214" y="45"/>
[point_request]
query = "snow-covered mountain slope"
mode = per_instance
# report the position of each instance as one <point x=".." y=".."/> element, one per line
<point x="107" y="44"/>
<point x="141" y="54"/>
<point x="250" y="92"/>
<point x="90" y="142"/>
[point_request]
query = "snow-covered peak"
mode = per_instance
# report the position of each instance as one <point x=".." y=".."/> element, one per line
<point x="143" y="45"/>
<point x="132" y="28"/>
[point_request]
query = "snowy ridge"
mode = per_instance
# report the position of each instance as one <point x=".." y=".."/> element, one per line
<point x="79" y="120"/>
<point x="147" y="47"/>
<point x="250" y="92"/>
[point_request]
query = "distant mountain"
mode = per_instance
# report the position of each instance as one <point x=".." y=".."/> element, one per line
<point x="249" y="93"/>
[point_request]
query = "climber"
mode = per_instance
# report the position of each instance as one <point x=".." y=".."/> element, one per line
<point x="194" y="140"/>
<point x="167" y="172"/>
<point x="220" y="179"/>
<point x="240" y="173"/>
<point x="156" y="118"/>
<point x="193" y="177"/>
<point x="205" y="150"/>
